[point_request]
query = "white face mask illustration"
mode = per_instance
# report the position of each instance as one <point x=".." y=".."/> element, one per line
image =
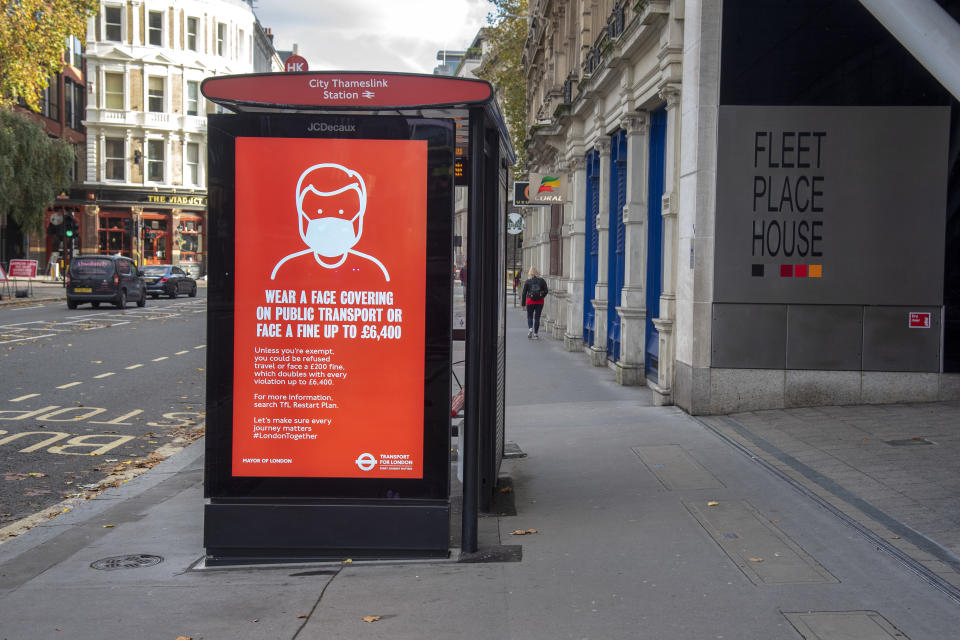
<point x="331" y="237"/>
<point x="326" y="194"/>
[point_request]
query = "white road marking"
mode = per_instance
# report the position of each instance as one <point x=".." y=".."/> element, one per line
<point x="68" y="385"/>
<point x="29" y="395"/>
<point x="105" y="375"/>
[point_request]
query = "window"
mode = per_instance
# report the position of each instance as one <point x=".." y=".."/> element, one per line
<point x="74" y="52"/>
<point x="113" y="22"/>
<point x="221" y="37"/>
<point x="192" y="24"/>
<point x="155" y="160"/>
<point x="73" y="103"/>
<point x="155" y="28"/>
<point x="113" y="90"/>
<point x="193" y="163"/>
<point x="240" y="44"/>
<point x="190" y="238"/>
<point x="114" y="235"/>
<point x="50" y="103"/>
<point x="114" y="152"/>
<point x="155" y="94"/>
<point x="193" y="98"/>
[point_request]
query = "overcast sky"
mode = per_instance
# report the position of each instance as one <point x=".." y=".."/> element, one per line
<point x="372" y="35"/>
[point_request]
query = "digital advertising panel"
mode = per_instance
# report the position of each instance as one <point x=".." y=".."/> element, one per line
<point x="331" y="247"/>
<point x="329" y="306"/>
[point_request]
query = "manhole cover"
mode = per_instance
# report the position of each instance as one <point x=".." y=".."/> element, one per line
<point x="133" y="561"/>
<point x="908" y="442"/>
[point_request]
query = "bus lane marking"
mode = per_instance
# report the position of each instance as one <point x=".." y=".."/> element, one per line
<point x="26" y="397"/>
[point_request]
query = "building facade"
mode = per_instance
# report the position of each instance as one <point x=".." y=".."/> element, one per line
<point x="762" y="207"/>
<point x="144" y="191"/>
<point x="61" y="114"/>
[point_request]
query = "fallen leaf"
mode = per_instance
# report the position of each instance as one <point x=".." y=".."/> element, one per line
<point x="774" y="521"/>
<point x="712" y="503"/>
<point x="371" y="618"/>
<point x="184" y="638"/>
<point x="302" y="615"/>
<point x="348" y="561"/>
<point x="109" y="526"/>
<point x="523" y="532"/>
<point x="37" y="475"/>
<point x="894" y="537"/>
<point x="756" y="559"/>
<point x="506" y="490"/>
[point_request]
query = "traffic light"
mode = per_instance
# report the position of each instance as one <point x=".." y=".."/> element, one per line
<point x="70" y="226"/>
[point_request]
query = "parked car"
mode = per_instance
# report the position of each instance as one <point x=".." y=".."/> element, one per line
<point x="168" y="280"/>
<point x="97" y="279"/>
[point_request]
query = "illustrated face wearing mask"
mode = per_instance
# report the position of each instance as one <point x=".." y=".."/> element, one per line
<point x="331" y="209"/>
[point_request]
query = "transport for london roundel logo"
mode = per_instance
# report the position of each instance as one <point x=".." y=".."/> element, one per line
<point x="366" y="462"/>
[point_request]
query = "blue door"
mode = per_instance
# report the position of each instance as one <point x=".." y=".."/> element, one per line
<point x="591" y="245"/>
<point x="618" y="232"/>
<point x="658" y="139"/>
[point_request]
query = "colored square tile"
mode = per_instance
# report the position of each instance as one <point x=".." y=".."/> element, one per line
<point x="799" y="271"/>
<point x="815" y="271"/>
<point x="757" y="270"/>
<point x="786" y="271"/>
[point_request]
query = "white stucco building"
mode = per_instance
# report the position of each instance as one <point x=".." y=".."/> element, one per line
<point x="145" y="184"/>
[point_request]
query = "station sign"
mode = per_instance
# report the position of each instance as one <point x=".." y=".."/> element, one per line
<point x="347" y="90"/>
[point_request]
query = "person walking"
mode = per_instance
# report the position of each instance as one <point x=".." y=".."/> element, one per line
<point x="534" y="291"/>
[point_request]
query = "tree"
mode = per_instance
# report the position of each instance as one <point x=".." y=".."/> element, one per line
<point x="34" y="168"/>
<point x="33" y="35"/>
<point x="502" y="66"/>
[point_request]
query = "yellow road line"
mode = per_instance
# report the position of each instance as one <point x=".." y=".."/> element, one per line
<point x="29" y="395"/>
<point x="105" y="375"/>
<point x="180" y="353"/>
<point x="134" y="366"/>
<point x="202" y="346"/>
<point x="160" y="358"/>
<point x="68" y="385"/>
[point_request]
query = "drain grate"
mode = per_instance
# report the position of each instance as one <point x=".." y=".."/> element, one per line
<point x="131" y="561"/>
<point x="907" y="442"/>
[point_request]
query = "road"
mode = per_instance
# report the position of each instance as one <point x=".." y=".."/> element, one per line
<point x="90" y="397"/>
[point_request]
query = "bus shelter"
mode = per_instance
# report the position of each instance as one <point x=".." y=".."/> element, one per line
<point x="330" y="239"/>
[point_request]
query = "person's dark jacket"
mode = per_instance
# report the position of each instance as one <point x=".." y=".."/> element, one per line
<point x="529" y="285"/>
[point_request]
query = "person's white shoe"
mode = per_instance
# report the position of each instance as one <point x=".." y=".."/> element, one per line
<point x="529" y="333"/>
<point x="536" y="337"/>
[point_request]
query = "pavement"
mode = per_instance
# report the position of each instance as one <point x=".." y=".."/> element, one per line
<point x="28" y="291"/>
<point x="637" y="522"/>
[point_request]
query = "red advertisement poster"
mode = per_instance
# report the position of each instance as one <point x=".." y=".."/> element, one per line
<point x="329" y="324"/>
